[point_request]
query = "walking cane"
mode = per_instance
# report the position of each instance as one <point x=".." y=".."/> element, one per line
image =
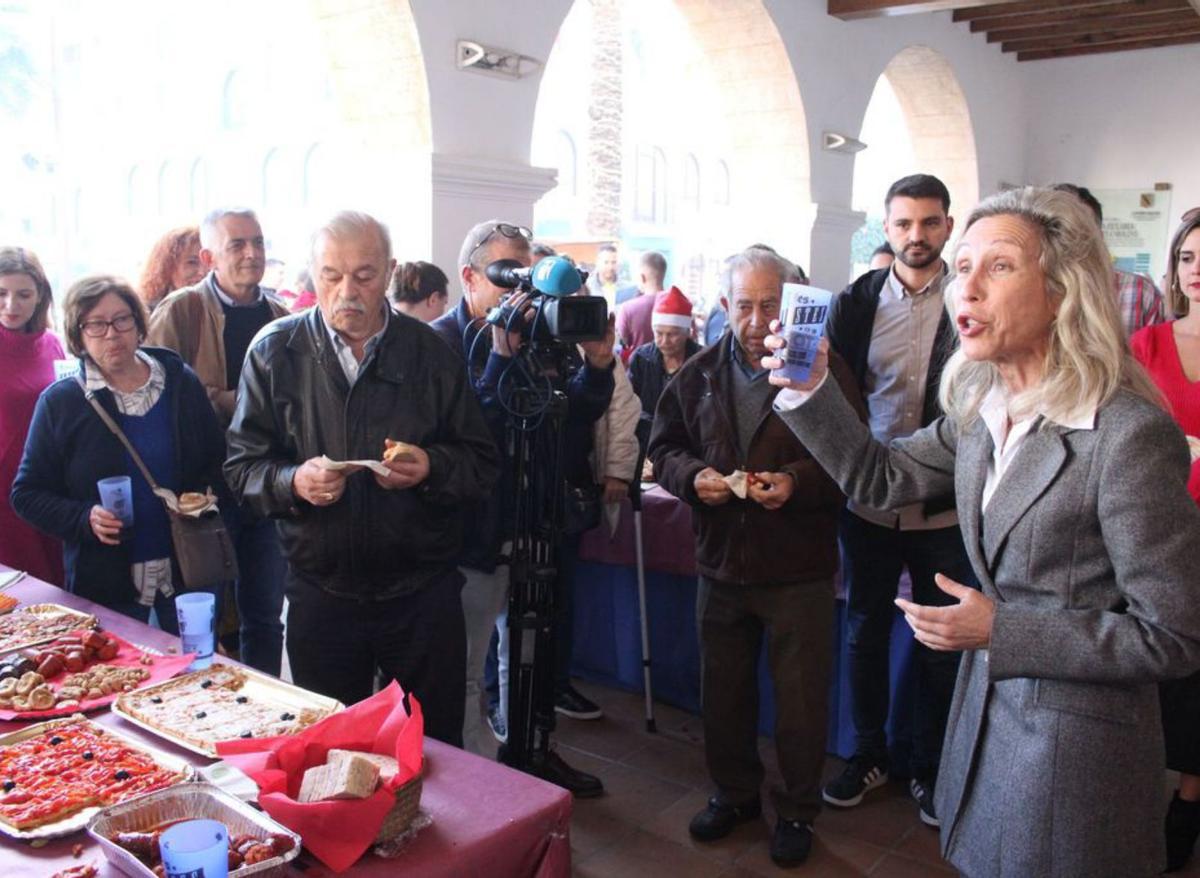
<point x="635" y="499"/>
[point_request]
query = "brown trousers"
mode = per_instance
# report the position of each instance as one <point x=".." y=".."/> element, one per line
<point x="797" y="620"/>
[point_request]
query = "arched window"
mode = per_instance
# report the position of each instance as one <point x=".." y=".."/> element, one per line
<point x="721" y="184"/>
<point x="137" y="191"/>
<point x="691" y="182"/>
<point x="650" y="185"/>
<point x="172" y="192"/>
<point x="318" y="176"/>
<point x="234" y="102"/>
<point x="274" y="187"/>
<point x="198" y="186"/>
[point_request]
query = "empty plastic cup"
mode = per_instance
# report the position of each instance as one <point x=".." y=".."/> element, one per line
<point x="197" y="614"/>
<point x="116" y="495"/>
<point x="195" y="849"/>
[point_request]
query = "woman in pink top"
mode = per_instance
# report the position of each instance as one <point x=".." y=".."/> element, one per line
<point x="1171" y="354"/>
<point x="27" y="354"/>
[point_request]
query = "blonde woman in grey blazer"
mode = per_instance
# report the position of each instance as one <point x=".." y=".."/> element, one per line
<point x="1071" y="483"/>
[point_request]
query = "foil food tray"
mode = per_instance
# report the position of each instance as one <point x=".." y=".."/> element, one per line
<point x="191" y="801"/>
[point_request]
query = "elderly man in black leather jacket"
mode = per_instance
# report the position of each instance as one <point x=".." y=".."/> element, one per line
<point x="372" y="584"/>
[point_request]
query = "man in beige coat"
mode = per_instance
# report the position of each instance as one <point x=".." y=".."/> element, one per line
<point x="211" y="325"/>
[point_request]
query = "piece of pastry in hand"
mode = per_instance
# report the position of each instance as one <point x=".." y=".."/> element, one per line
<point x="190" y="501"/>
<point x="400" y="452"/>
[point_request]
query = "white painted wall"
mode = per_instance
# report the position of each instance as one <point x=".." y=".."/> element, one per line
<point x="1122" y="121"/>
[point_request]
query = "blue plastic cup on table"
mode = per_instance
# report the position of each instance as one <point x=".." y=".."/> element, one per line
<point x="195" y="849"/>
<point x="116" y="495"/>
<point x="197" y="613"/>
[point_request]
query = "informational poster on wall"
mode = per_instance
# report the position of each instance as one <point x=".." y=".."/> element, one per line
<point x="1137" y="225"/>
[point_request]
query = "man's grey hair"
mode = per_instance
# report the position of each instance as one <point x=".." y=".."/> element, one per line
<point x="474" y="246"/>
<point x="654" y="264"/>
<point x="348" y="224"/>
<point x="208" y="225"/>
<point x="753" y="258"/>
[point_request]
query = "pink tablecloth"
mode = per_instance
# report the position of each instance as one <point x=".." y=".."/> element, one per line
<point x="488" y="820"/>
<point x="667" y="537"/>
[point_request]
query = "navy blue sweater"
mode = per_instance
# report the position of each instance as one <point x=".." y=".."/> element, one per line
<point x="69" y="448"/>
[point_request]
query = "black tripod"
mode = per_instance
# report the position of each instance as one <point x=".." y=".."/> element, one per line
<point x="535" y="439"/>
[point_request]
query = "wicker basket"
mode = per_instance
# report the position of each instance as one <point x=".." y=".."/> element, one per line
<point x="408" y="802"/>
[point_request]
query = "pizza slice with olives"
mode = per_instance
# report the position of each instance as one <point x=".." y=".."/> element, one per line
<point x="71" y="765"/>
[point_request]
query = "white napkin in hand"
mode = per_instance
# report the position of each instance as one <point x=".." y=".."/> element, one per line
<point x="375" y="466"/>
<point x="737" y="483"/>
<point x="1194" y="447"/>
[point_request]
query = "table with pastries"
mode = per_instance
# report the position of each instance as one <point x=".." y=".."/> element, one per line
<point x="485" y="819"/>
<point x="608" y="647"/>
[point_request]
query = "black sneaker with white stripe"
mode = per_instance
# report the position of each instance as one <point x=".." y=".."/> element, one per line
<point x="862" y="774"/>
<point x="923" y="793"/>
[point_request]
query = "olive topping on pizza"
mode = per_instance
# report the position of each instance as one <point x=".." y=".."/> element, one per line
<point x="56" y="740"/>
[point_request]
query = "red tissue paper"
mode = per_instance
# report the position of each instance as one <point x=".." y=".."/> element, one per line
<point x="337" y="832"/>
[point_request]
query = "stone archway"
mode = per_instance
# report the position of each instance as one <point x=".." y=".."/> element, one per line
<point x="939" y="121"/>
<point x="706" y="104"/>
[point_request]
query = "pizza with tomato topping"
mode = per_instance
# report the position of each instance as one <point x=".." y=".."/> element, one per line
<point x="70" y="765"/>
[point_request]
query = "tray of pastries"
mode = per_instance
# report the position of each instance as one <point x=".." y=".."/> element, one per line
<point x="54" y="776"/>
<point x="40" y="623"/>
<point x="220" y="703"/>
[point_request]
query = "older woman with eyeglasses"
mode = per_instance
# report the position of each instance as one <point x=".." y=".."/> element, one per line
<point x="1171" y="354"/>
<point x="162" y="408"/>
<point x="1071" y="486"/>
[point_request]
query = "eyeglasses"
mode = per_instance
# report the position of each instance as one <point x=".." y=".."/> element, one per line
<point x="507" y="230"/>
<point x="99" y="328"/>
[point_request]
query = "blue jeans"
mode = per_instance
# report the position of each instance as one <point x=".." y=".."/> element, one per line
<point x="874" y="557"/>
<point x="259" y="591"/>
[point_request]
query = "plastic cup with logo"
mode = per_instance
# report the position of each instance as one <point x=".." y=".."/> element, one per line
<point x="195" y="849"/>
<point x="116" y="495"/>
<point x="197" y="612"/>
<point x="802" y="320"/>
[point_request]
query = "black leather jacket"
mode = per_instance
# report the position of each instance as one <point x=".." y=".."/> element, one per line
<point x="295" y="403"/>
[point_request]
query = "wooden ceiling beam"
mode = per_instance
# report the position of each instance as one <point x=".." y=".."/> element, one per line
<point x="850" y="10"/>
<point x="1067" y="52"/>
<point x="1025" y="7"/>
<point x="1132" y="8"/>
<point x="1115" y="25"/>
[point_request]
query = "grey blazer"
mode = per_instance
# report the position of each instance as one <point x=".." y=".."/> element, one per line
<point x="1053" y="760"/>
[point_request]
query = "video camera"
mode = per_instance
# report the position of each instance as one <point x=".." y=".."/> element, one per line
<point x="553" y="312"/>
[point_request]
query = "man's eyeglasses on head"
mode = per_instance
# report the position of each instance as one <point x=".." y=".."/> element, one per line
<point x="506" y="229"/>
<point x="99" y="328"/>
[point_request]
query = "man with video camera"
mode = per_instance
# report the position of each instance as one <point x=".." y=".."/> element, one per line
<point x="516" y="365"/>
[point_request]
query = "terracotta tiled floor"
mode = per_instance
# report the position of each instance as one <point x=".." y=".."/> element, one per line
<point x="655" y="782"/>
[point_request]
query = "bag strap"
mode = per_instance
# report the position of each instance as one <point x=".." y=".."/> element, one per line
<point x="118" y="432"/>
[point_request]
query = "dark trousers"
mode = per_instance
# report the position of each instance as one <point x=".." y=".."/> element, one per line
<point x="564" y="609"/>
<point x="797" y="620"/>
<point x="336" y="645"/>
<point x="259" y="591"/>
<point x="873" y="558"/>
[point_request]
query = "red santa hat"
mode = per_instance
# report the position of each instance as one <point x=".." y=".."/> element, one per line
<point x="672" y="308"/>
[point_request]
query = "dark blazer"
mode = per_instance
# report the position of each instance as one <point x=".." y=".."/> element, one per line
<point x="740" y="541"/>
<point x="851" y="322"/>
<point x="294" y="403"/>
<point x="1053" y="761"/>
<point x="69" y="449"/>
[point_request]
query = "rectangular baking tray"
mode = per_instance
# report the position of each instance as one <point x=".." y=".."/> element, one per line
<point x="192" y="801"/>
<point x="82" y="620"/>
<point x="260" y="685"/>
<point x="79" y="820"/>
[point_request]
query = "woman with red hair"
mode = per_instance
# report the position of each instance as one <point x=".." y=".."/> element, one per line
<point x="173" y="263"/>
